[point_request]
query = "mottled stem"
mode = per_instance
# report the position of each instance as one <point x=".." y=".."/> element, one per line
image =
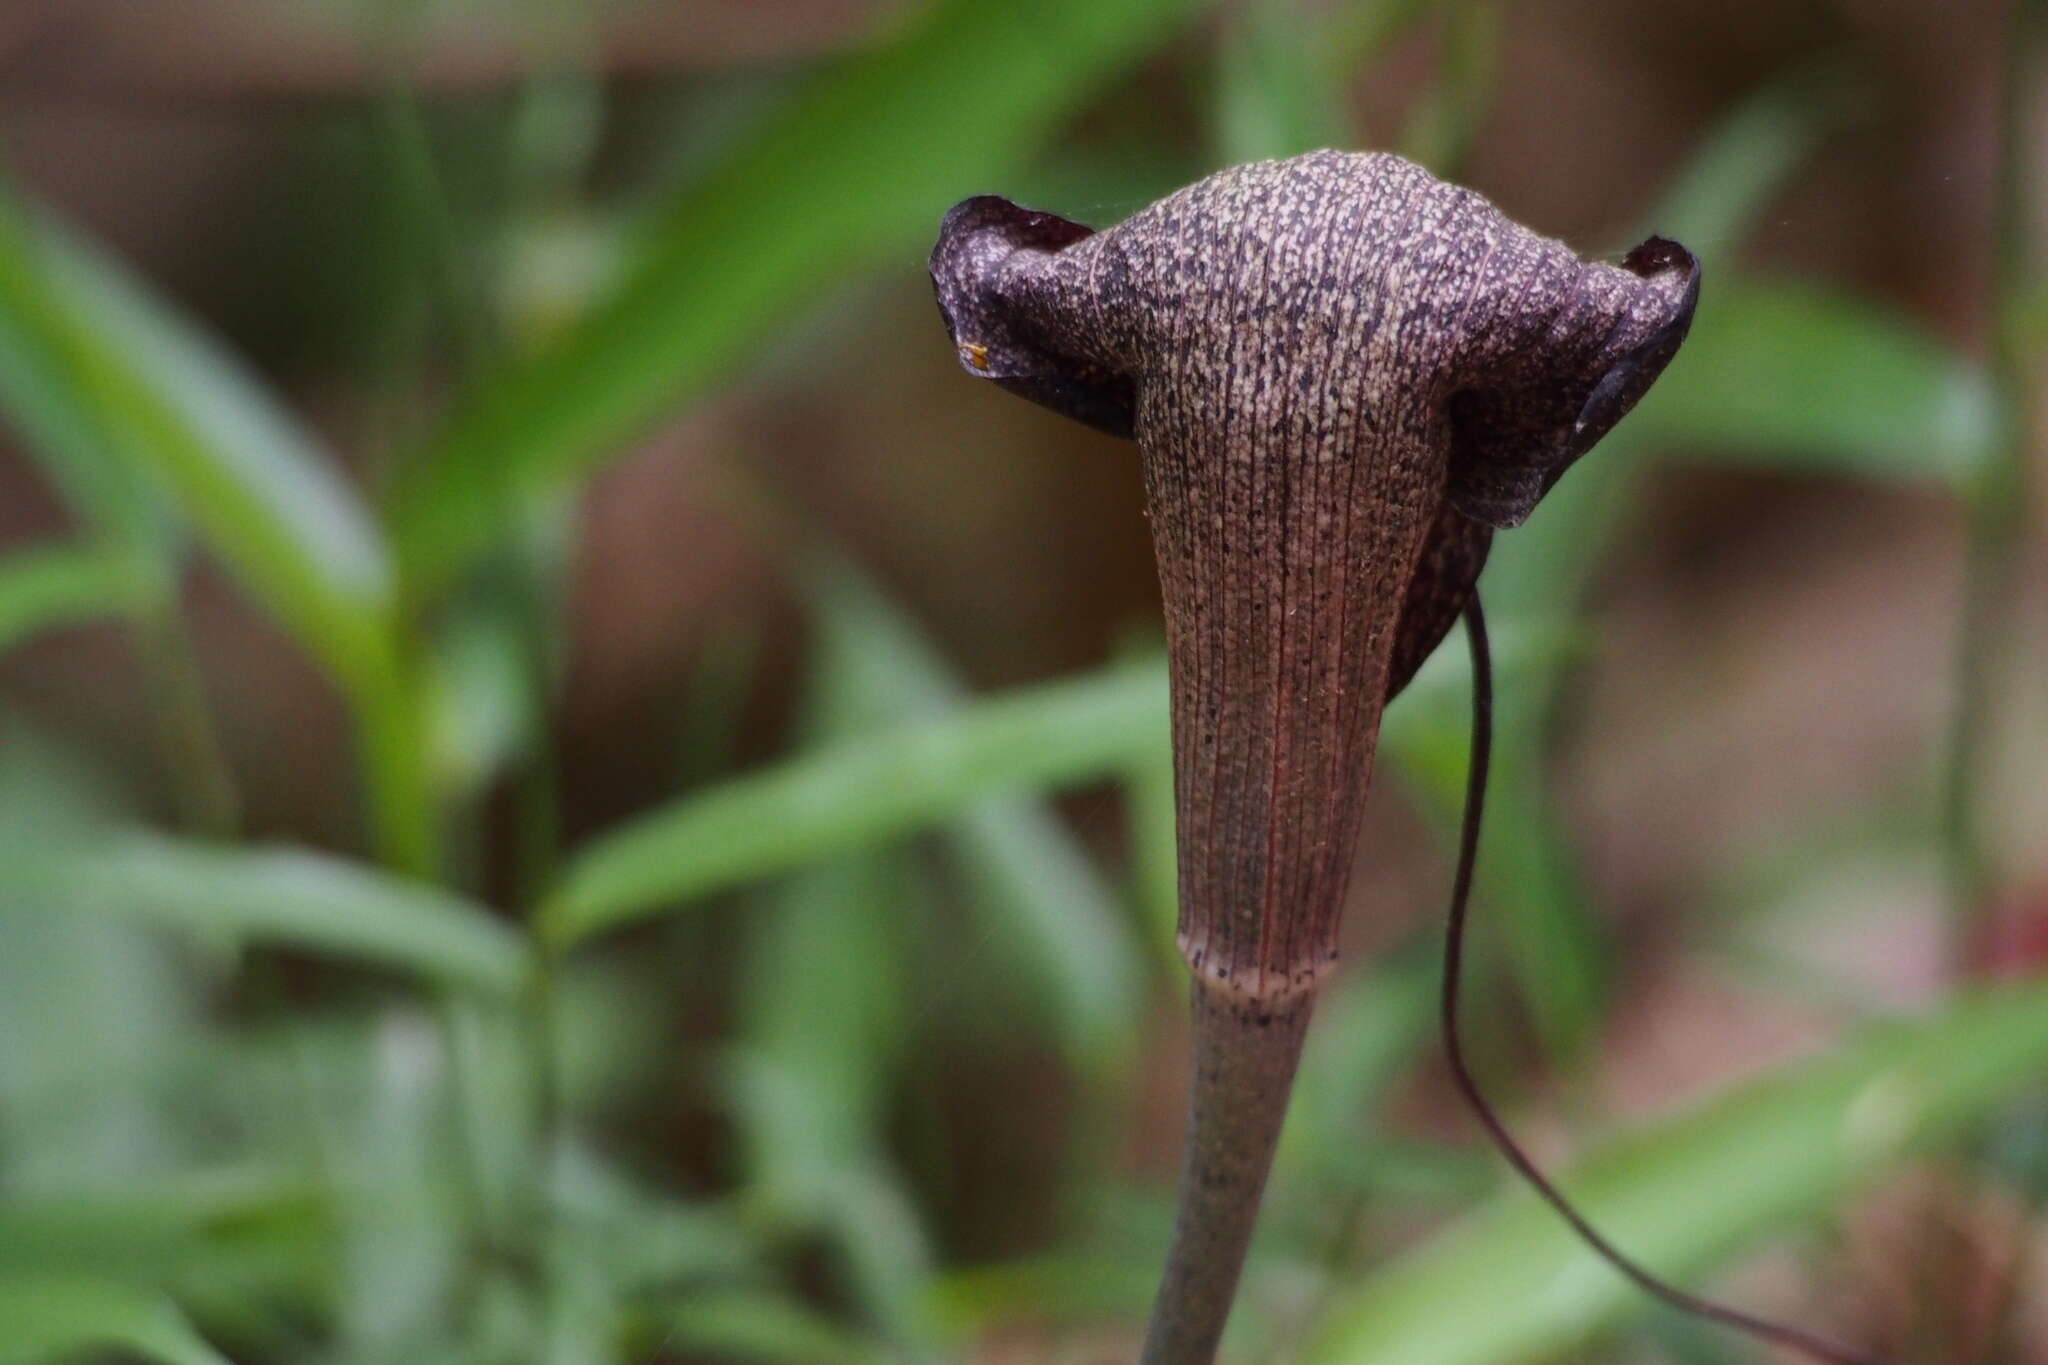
<point x="1243" y="1070"/>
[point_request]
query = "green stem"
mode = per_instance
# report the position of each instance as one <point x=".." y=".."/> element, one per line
<point x="394" y="737"/>
<point x="394" y="741"/>
<point x="1245" y="1057"/>
<point x="424" y="204"/>
<point x="1997" y="511"/>
<point x="537" y="849"/>
<point x="1998" y="531"/>
<point x="202" y="781"/>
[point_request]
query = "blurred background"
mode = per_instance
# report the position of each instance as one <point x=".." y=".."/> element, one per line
<point x="571" y="791"/>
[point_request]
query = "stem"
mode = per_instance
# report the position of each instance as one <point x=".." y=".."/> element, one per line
<point x="393" y="739"/>
<point x="1998" y="532"/>
<point x="1997" y="507"/>
<point x="1244" y="1068"/>
<point x="394" y="743"/>
<point x="202" y="781"/>
<point x="536" y="854"/>
<point x="425" y="204"/>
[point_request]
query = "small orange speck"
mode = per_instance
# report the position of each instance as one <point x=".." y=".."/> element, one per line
<point x="977" y="355"/>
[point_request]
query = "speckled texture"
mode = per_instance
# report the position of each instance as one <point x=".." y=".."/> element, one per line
<point x="1341" y="373"/>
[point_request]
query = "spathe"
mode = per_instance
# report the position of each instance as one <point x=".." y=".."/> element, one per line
<point x="1341" y="373"/>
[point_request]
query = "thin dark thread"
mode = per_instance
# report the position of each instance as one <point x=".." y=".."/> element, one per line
<point x="1820" y="1348"/>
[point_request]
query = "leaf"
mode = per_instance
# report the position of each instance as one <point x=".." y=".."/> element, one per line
<point x="886" y="785"/>
<point x="372" y="1102"/>
<point x="92" y="1015"/>
<point x="131" y="403"/>
<point x="1059" y="924"/>
<point x="156" y="1229"/>
<point x="59" y="584"/>
<point x="479" y="694"/>
<point x="1358" y="33"/>
<point x="1511" y="1283"/>
<point x="826" y="1007"/>
<point x="823" y="1016"/>
<point x="292" y="897"/>
<point x="857" y="167"/>
<point x="1717" y="198"/>
<point x="92" y="1012"/>
<point x="643" y="1242"/>
<point x="1155" y="857"/>
<point x="1799" y="377"/>
<point x="50" y="1318"/>
<point x="50" y="406"/>
<point x="165" y="398"/>
<point x="755" y="1325"/>
<point x="1444" y="122"/>
<point x="1277" y="92"/>
<point x="1371" y="1023"/>
<point x="1791" y="375"/>
<point x="1068" y="1287"/>
<point x="858" y="791"/>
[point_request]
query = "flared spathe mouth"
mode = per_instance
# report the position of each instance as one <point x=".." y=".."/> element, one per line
<point x="1528" y="354"/>
<point x="1342" y="374"/>
<point x="1514" y="435"/>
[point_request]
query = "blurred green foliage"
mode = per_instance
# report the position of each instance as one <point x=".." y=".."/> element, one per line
<point x="406" y="1164"/>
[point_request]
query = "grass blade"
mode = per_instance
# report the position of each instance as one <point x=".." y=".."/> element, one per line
<point x="755" y="1325"/>
<point x="1277" y="91"/>
<point x="46" y="400"/>
<point x="826" y="1014"/>
<point x="859" y="165"/>
<point x="1512" y="1284"/>
<point x="1060" y="921"/>
<point x="147" y="1230"/>
<point x="1373" y="1022"/>
<point x="132" y="402"/>
<point x="1796" y="377"/>
<point x="852" y="793"/>
<point x="810" y="1079"/>
<point x="189" y="419"/>
<point x="52" y="1318"/>
<point x="290" y="897"/>
<point x="60" y="584"/>
<point x="1718" y="197"/>
<point x="856" y="792"/>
